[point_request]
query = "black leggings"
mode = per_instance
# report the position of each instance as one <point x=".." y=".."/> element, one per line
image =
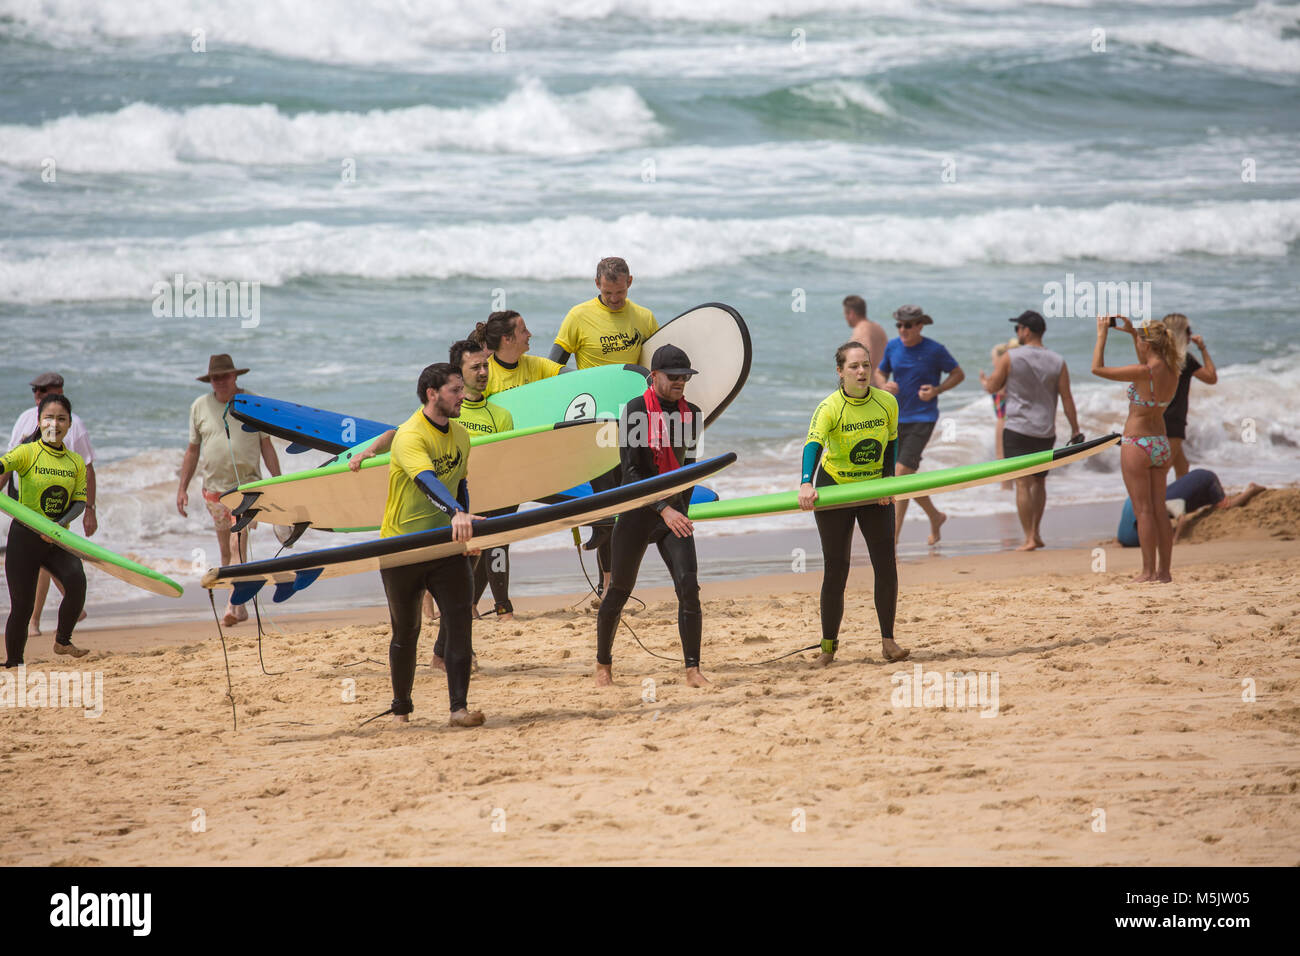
<point x="493" y="567"/>
<point x="633" y="533"/>
<point x="451" y="583"/>
<point x="604" y="552"/>
<point x="25" y="555"/>
<point x="835" y="527"/>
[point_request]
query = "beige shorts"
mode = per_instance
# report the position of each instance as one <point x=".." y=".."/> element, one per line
<point x="221" y="516"/>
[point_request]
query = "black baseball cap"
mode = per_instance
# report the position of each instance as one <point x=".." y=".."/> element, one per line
<point x="1032" y="321"/>
<point x="671" y="360"/>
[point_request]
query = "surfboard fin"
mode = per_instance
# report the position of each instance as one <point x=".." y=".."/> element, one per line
<point x="245" y="520"/>
<point x="246" y="503"/>
<point x="243" y="591"/>
<point x="295" y="448"/>
<point x="298" y="528"/>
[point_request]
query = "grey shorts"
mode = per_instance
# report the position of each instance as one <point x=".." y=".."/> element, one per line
<point x="912" y="439"/>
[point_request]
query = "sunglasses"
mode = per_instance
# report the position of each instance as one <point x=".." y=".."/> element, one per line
<point x="39" y="389"/>
<point x="676" y="378"/>
<point x="905" y="325"/>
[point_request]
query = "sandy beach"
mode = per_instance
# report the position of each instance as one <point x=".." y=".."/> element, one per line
<point x="1116" y="726"/>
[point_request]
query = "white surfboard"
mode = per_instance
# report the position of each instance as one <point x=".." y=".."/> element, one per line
<point x="504" y="469"/>
<point x="716" y="340"/>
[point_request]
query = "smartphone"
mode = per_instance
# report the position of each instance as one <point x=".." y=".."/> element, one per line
<point x="1112" y="322"/>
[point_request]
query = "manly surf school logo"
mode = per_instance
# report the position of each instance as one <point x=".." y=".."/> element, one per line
<point x="54" y="501"/>
<point x="446" y="464"/>
<point x="865" y="452"/>
<point x="619" y="342"/>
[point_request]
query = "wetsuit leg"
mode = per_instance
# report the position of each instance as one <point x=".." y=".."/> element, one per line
<point x="23" y="555"/>
<point x="630" y="539"/>
<point x="604" y="551"/>
<point x="480" y="575"/>
<point x="835" y="528"/>
<point x="877" y="525"/>
<point x="679" y="557"/>
<point x="70" y="573"/>
<point x="492" y="567"/>
<point x="451" y="582"/>
<point x="404" y="587"/>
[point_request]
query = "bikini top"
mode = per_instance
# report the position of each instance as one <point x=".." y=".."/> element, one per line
<point x="1136" y="399"/>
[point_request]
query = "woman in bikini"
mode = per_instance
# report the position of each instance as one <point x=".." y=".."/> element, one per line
<point x="1145" y="455"/>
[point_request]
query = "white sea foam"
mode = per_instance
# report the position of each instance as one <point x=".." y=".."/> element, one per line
<point x="142" y="137"/>
<point x="842" y="94"/>
<point x="40" y="271"/>
<point x="1265" y="37"/>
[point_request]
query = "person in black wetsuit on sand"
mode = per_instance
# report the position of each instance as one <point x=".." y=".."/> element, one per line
<point x="658" y="433"/>
<point x="857" y="429"/>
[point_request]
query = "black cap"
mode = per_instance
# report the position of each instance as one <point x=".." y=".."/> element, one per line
<point x="671" y="360"/>
<point x="1032" y="321"/>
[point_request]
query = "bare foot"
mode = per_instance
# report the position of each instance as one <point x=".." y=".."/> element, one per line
<point x="1029" y="546"/>
<point x="401" y="719"/>
<point x="229" y="618"/>
<point x="1038" y="540"/>
<point x="935" y="525"/>
<point x="70" y="649"/>
<point x="695" y="679"/>
<point x="824" y="660"/>
<point x="604" y="675"/>
<point x="438" y="664"/>
<point x="1165" y="578"/>
<point x="893" y="652"/>
<point x="467" y="718"/>
<point x="508" y="616"/>
<point x="1142" y="578"/>
<point x="33" y="631"/>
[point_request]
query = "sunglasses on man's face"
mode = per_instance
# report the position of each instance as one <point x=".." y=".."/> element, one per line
<point x="38" y="390"/>
<point x="906" y="325"/>
<point x="676" y="378"/>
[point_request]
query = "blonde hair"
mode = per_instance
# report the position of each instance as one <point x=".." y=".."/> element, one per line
<point x="1002" y="348"/>
<point x="1178" y="325"/>
<point x="1169" y="347"/>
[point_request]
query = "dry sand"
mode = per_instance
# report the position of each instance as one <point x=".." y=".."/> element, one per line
<point x="1111" y="697"/>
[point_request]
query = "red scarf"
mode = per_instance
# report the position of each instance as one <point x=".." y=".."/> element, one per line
<point x="660" y="440"/>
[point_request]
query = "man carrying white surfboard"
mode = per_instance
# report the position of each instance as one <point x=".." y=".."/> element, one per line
<point x="426" y="490"/>
<point x="658" y="433"/>
<point x="607" y="330"/>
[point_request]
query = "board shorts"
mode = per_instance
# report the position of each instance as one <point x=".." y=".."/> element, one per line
<point x="221" y="516"/>
<point x="1015" y="444"/>
<point x="912" y="439"/>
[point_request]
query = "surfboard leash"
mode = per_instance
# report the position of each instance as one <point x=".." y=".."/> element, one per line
<point x="230" y="689"/>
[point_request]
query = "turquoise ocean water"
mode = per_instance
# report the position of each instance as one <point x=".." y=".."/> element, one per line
<point x="388" y="172"/>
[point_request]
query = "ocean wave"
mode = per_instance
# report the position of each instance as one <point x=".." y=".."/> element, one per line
<point x="40" y="271"/>
<point x="1265" y="37"/>
<point x="142" y="137"/>
<point x="845" y="94"/>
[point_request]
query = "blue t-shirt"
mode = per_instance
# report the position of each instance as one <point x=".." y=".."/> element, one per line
<point x="1198" y="488"/>
<point x="925" y="363"/>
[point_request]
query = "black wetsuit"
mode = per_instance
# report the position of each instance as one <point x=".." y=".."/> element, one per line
<point x="637" y="530"/>
<point x="835" y="528"/>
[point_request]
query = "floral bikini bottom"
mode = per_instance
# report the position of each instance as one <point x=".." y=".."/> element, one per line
<point x="1156" y="447"/>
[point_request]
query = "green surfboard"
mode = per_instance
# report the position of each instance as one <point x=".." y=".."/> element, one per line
<point x="589" y="393"/>
<point x="904" y="486"/>
<point x="122" y="568"/>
